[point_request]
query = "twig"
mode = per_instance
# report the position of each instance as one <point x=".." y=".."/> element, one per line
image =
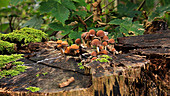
<point x="81" y="20"/>
<point x="108" y="4"/>
<point x="141" y="5"/>
<point x="102" y="8"/>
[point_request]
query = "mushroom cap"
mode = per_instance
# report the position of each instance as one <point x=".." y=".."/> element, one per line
<point x="74" y="46"/>
<point x="93" y="53"/>
<point x="93" y="58"/>
<point x="101" y="47"/>
<point x="87" y="37"/>
<point x="96" y="42"/>
<point x="67" y="51"/>
<point x="113" y="50"/>
<point x="83" y="35"/>
<point x="100" y="33"/>
<point x="103" y="52"/>
<point x="92" y="32"/>
<point x="64" y="43"/>
<point x="105" y="38"/>
<point x="59" y="46"/>
<point x="78" y="41"/>
<point x="59" y="41"/>
<point x="104" y="43"/>
<point x="111" y="41"/>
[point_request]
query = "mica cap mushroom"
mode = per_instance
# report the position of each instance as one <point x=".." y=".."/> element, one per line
<point x="96" y="43"/>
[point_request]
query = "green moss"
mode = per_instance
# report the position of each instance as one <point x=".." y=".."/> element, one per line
<point x="25" y="36"/>
<point x="6" y="47"/>
<point x="17" y="67"/>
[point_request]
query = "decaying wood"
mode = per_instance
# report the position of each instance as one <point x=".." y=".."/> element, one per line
<point x="142" y="69"/>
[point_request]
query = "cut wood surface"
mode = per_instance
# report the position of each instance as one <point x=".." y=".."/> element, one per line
<point x="142" y="69"/>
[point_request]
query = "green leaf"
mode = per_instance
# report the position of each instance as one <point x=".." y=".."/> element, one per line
<point x="59" y="1"/>
<point x="59" y="27"/>
<point x="61" y="13"/>
<point x="116" y="21"/>
<point x="74" y="35"/>
<point x="128" y="10"/>
<point x="15" y="2"/>
<point x="33" y="89"/>
<point x="159" y="12"/>
<point x="4" y="3"/>
<point x="69" y="4"/>
<point x="34" y="22"/>
<point x="47" y="6"/>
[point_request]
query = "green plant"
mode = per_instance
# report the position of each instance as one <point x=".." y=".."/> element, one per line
<point x="33" y="89"/>
<point x="37" y="75"/>
<point x="80" y="65"/>
<point x="103" y="58"/>
<point x="45" y="73"/>
<point x="16" y="66"/>
<point x="127" y="27"/>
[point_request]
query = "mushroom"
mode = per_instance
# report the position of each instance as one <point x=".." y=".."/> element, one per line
<point x="105" y="38"/>
<point x="100" y="34"/>
<point x="94" y="54"/>
<point x="94" y="58"/>
<point x="74" y="48"/>
<point x="105" y="45"/>
<point x="114" y="52"/>
<point x="78" y="41"/>
<point x="59" y="41"/>
<point x="111" y="41"/>
<point x="103" y="52"/>
<point x="96" y="43"/>
<point x="111" y="44"/>
<point x="87" y="38"/>
<point x="64" y="45"/>
<point x="92" y="34"/>
<point x="83" y="38"/>
<point x="58" y="46"/>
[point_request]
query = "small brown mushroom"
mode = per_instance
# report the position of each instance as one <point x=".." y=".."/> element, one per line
<point x="83" y="38"/>
<point x="96" y="43"/>
<point x="100" y="34"/>
<point x="103" y="52"/>
<point x="92" y="34"/>
<point x="94" y="58"/>
<point x="105" y="45"/>
<point x="94" y="54"/>
<point x="78" y="41"/>
<point x="87" y="38"/>
<point x="59" y="41"/>
<point x="105" y="38"/>
<point x="111" y="41"/>
<point x="74" y="48"/>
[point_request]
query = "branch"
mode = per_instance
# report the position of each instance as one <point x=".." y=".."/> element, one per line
<point x="81" y="20"/>
<point x="102" y="8"/>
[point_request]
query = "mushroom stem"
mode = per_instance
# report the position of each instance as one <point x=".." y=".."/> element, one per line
<point x="88" y="45"/>
<point x="84" y="44"/>
<point x="97" y="49"/>
<point x="105" y="47"/>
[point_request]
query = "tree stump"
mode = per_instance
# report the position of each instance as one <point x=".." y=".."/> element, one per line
<point x="142" y="69"/>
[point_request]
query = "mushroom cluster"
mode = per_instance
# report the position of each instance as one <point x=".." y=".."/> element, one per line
<point x="98" y="42"/>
